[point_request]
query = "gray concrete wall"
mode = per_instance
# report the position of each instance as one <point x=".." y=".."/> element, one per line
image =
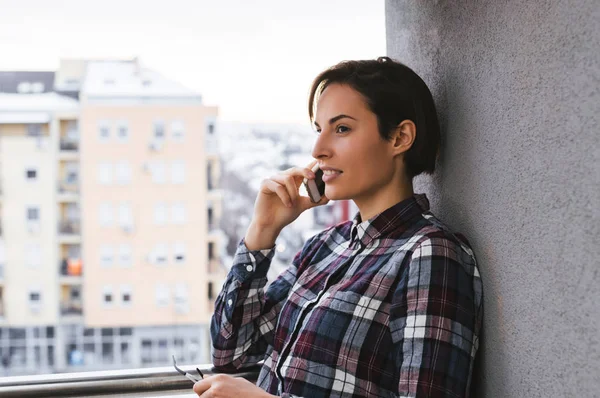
<point x="517" y="88"/>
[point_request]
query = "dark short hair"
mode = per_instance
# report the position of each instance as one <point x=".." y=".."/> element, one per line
<point x="395" y="93"/>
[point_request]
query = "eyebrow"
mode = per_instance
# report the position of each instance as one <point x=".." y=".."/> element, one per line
<point x="335" y="119"/>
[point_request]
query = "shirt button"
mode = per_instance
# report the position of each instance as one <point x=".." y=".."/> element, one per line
<point x="229" y="302"/>
<point x="249" y="268"/>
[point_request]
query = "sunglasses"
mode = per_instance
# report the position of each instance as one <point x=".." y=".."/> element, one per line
<point x="186" y="374"/>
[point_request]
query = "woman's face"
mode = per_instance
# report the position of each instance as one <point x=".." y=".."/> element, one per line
<point x="358" y="164"/>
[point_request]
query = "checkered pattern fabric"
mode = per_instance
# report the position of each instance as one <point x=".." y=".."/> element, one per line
<point x="388" y="307"/>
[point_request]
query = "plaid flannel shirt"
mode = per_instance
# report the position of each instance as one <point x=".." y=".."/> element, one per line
<point x="388" y="307"/>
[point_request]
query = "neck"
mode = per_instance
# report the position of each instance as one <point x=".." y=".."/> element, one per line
<point x="383" y="199"/>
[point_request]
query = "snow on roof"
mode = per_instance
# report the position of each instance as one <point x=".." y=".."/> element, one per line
<point x="130" y="79"/>
<point x="10" y="102"/>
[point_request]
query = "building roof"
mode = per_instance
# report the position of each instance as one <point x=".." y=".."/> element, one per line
<point x="10" y="102"/>
<point x="26" y="82"/>
<point x="128" y="79"/>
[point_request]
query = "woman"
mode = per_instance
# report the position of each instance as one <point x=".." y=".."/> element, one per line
<point x="386" y="305"/>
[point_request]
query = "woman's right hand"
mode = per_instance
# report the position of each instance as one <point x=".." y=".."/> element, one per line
<point x="278" y="204"/>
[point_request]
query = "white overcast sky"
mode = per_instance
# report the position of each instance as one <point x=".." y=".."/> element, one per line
<point x="254" y="59"/>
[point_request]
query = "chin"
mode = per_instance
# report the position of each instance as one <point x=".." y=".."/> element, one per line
<point x="335" y="194"/>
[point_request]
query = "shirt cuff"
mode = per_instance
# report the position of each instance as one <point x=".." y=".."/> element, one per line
<point x="251" y="264"/>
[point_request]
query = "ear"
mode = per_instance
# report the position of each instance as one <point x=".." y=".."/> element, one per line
<point x="403" y="136"/>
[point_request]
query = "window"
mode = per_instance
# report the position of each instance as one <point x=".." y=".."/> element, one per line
<point x="159" y="130"/>
<point x="24" y="87"/>
<point x="209" y="177"/>
<point x="125" y="215"/>
<point x="72" y="172"/>
<point x="162" y="295"/>
<point x="33" y="214"/>
<point x="125" y="294"/>
<point x="105" y="214"/>
<point x="34" y="130"/>
<point x="161" y="254"/>
<point x="178" y="213"/>
<point x="123" y="173"/>
<point x="105" y="173"/>
<point x="211" y="295"/>
<point x="37" y="87"/>
<point x="211" y="218"/>
<point x="178" y="172"/>
<point x="35" y="298"/>
<point x="33" y="255"/>
<point x="211" y="251"/>
<point x="107" y="295"/>
<point x="177" y="130"/>
<point x="31" y="174"/>
<point x="73" y="130"/>
<point x="125" y="257"/>
<point x="106" y="255"/>
<point x="181" y="298"/>
<point x="123" y="131"/>
<point x="159" y="174"/>
<point x="179" y="252"/>
<point x="160" y="213"/>
<point x="210" y="125"/>
<point x="103" y="131"/>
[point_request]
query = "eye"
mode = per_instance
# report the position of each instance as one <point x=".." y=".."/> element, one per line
<point x="342" y="129"/>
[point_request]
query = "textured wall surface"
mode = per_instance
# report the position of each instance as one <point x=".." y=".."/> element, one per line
<point x="517" y="88"/>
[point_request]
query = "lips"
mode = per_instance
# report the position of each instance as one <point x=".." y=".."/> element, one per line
<point x="329" y="174"/>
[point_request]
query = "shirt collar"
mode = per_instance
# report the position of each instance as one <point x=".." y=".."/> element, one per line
<point x="397" y="217"/>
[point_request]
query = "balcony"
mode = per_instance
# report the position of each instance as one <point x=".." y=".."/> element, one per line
<point x="160" y="382"/>
<point x="69" y="228"/>
<point x="72" y="309"/>
<point x="69" y="150"/>
<point x="69" y="145"/>
<point x="70" y="271"/>
<point x="71" y="305"/>
<point x="69" y="232"/>
<point x="67" y="192"/>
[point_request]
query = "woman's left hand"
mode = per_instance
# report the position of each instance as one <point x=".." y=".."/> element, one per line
<point x="225" y="386"/>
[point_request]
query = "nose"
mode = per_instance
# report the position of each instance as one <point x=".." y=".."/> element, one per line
<point x="322" y="148"/>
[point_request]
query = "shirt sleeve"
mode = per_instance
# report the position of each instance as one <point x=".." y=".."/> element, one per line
<point x="435" y="320"/>
<point x="245" y="316"/>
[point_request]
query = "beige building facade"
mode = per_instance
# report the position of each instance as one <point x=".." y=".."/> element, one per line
<point x="109" y="211"/>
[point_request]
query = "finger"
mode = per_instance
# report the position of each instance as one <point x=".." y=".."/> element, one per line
<point x="202" y="386"/>
<point x="279" y="190"/>
<point x="289" y="183"/>
<point x="305" y="172"/>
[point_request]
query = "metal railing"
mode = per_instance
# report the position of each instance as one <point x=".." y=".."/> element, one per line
<point x="149" y="382"/>
<point x="68" y="145"/>
<point x="69" y="227"/>
<point x="71" y="308"/>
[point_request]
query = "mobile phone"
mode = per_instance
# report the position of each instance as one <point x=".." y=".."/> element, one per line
<point x="316" y="186"/>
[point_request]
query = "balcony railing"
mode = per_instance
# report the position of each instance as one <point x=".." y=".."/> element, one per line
<point x="156" y="382"/>
<point x="71" y="308"/>
<point x="68" y="145"/>
<point x="69" y="227"/>
<point x="64" y="187"/>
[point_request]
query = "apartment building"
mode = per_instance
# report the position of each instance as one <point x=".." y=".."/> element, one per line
<point x="109" y="207"/>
